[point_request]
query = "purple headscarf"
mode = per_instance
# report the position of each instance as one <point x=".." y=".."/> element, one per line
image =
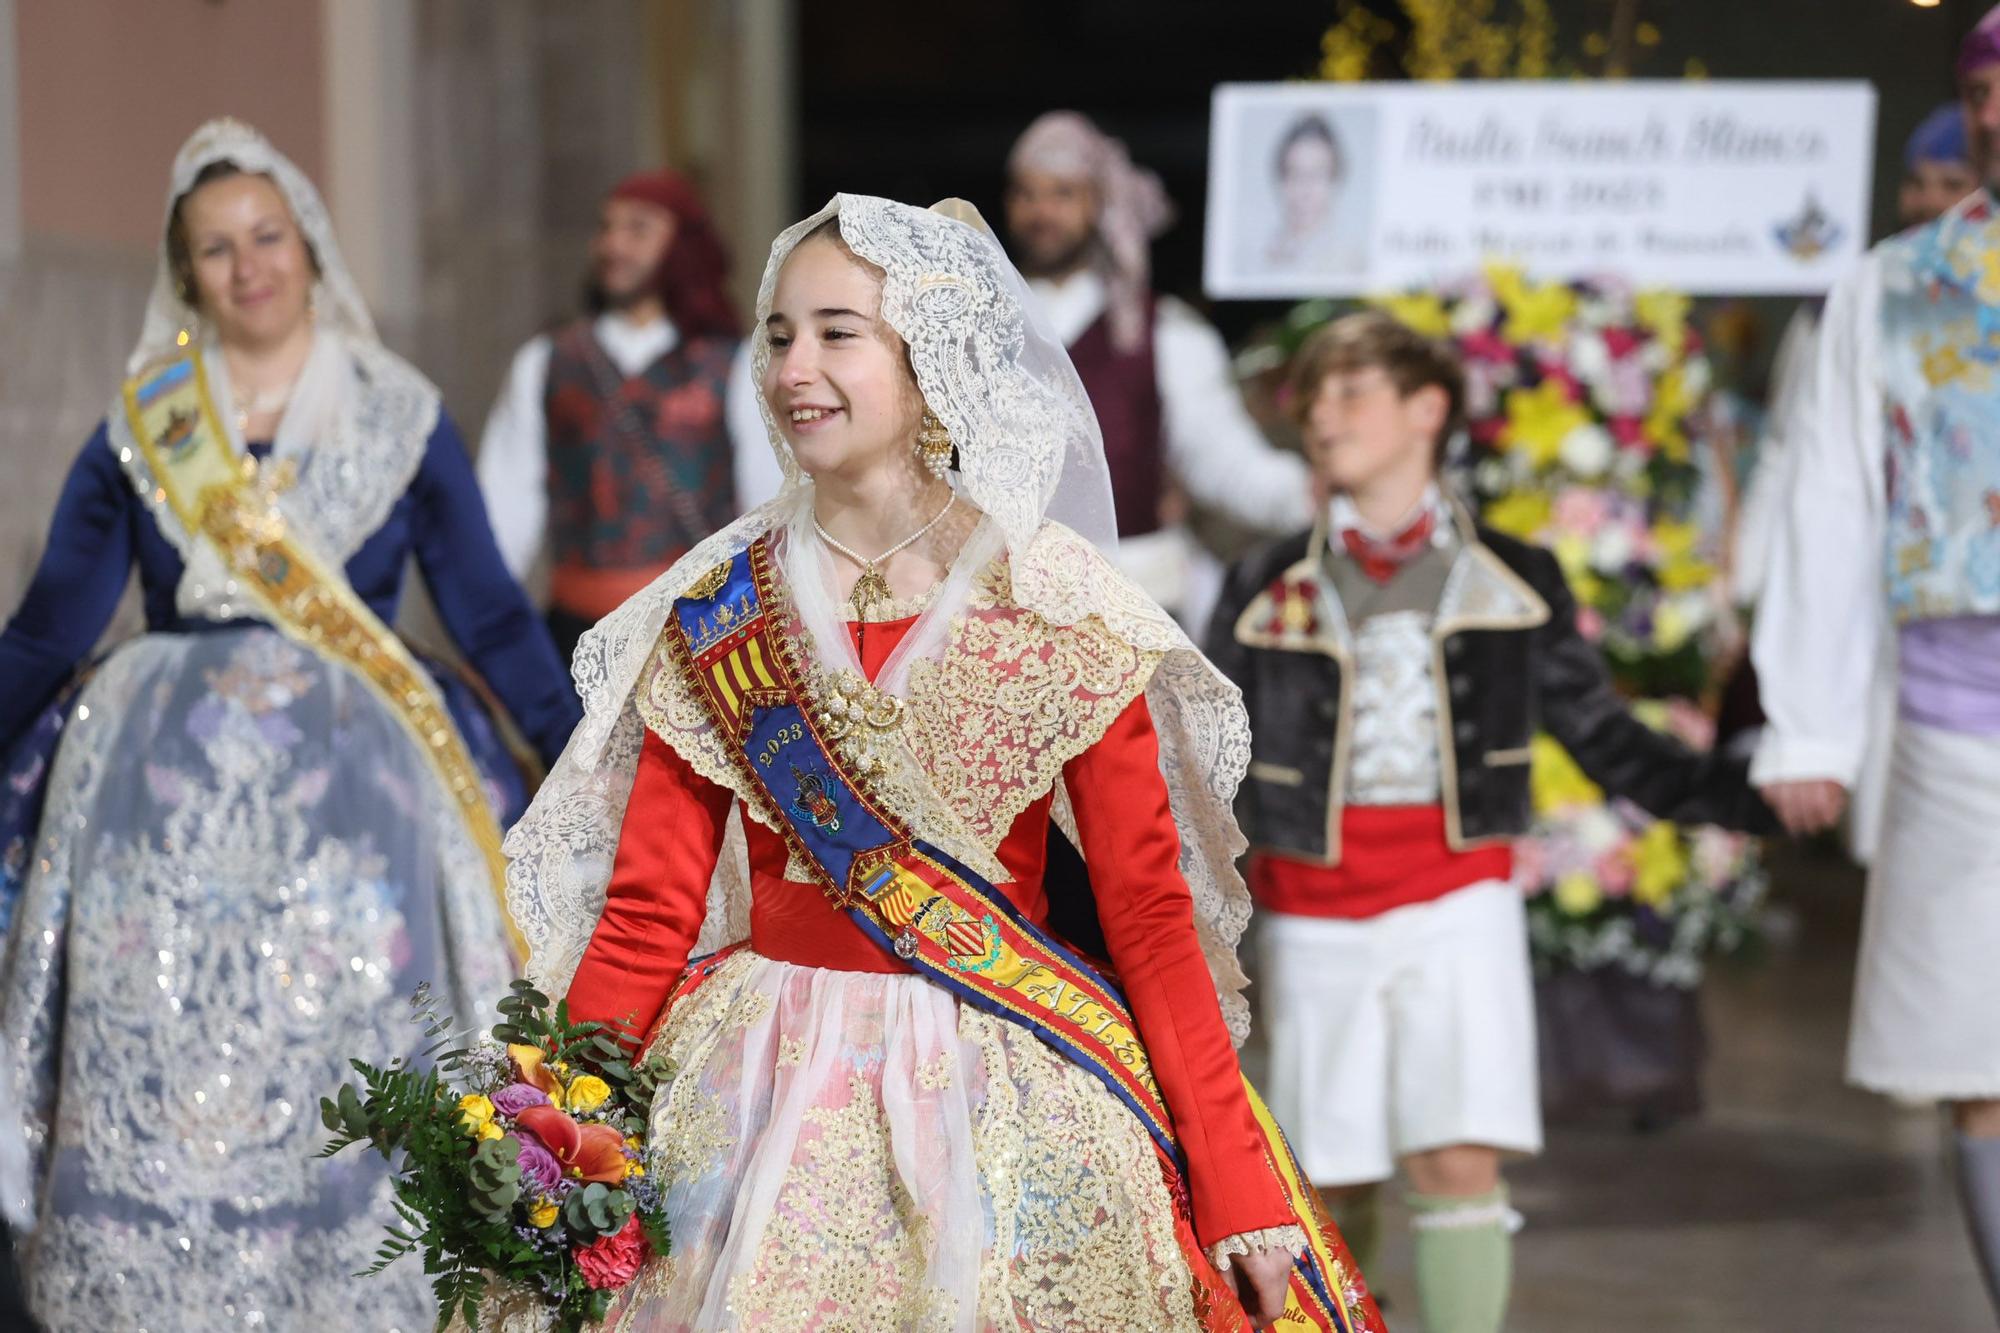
<point x="1981" y="46"/>
<point x="1133" y="207"/>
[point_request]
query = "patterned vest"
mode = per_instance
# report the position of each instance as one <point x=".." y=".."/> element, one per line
<point x="1941" y="388"/>
<point x="1126" y="396"/>
<point x="639" y="468"/>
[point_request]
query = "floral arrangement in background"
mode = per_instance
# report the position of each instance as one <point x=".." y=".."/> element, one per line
<point x="1585" y="419"/>
<point x="519" y="1163"/>
<point x="1614" y="887"/>
<point x="1582" y="403"/>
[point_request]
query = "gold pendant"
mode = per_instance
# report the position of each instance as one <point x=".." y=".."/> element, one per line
<point x="869" y="589"/>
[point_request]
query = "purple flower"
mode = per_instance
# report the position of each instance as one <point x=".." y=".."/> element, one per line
<point x="515" y="1098"/>
<point x="538" y="1163"/>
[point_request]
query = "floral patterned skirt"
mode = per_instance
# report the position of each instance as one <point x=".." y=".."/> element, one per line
<point x="243" y="871"/>
<point x="854" y="1150"/>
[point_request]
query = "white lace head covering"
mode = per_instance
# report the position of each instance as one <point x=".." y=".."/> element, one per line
<point x="358" y="418"/>
<point x="1032" y="459"/>
<point x="338" y="301"/>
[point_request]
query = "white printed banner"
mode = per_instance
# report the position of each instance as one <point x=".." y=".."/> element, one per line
<point x="1322" y="189"/>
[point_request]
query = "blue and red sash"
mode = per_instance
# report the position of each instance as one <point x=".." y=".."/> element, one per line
<point x="727" y="637"/>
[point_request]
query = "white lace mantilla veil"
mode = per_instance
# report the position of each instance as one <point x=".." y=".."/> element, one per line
<point x="1032" y="459"/>
<point x="358" y="419"/>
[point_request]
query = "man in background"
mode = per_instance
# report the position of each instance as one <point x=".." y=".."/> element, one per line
<point x="621" y="437"/>
<point x="1081" y="219"/>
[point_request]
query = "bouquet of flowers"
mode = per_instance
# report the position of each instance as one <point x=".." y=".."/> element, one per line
<point x="521" y="1160"/>
<point x="1584" y="404"/>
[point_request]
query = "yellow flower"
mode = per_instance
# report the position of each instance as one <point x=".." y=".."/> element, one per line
<point x="475" y="1115"/>
<point x="1577" y="894"/>
<point x="1421" y="311"/>
<point x="1671" y="627"/>
<point x="632" y="1168"/>
<point x="1664" y="315"/>
<point x="1521" y="514"/>
<point x="490" y="1130"/>
<point x="1539" y="418"/>
<point x="1680" y="569"/>
<point x="543" y="1214"/>
<point x="1658" y="863"/>
<point x="1554" y="780"/>
<point x="588" y="1092"/>
<point x="1534" y="313"/>
<point x="1671" y="403"/>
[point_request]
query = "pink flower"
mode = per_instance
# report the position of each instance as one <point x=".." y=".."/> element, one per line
<point x="612" y="1261"/>
<point x="1629" y="431"/>
<point x="1531" y="863"/>
<point x="1581" y="510"/>
<point x="1485" y="346"/>
<point x="1613" y="872"/>
<point x="1621" y="342"/>
<point x="538" y="1163"/>
<point x="1589" y="623"/>
<point x="515" y="1098"/>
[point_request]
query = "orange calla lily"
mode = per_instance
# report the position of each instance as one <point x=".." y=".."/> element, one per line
<point x="587" y="1152"/>
<point x="532" y="1061"/>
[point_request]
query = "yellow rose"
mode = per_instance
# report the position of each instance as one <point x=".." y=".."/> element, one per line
<point x="587" y="1092"/>
<point x="543" y="1214"/>
<point x="489" y="1130"/>
<point x="1577" y="894"/>
<point x="475" y="1116"/>
<point x="1658" y="863"/>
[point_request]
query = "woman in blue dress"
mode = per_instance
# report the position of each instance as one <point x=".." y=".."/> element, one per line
<point x="262" y="830"/>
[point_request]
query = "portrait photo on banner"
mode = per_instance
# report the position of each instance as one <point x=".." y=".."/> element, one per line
<point x="1295" y="181"/>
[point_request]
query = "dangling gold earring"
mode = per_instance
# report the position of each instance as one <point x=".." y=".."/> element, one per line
<point x="934" y="445"/>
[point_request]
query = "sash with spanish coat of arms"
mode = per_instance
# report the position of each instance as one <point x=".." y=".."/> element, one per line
<point x="944" y="920"/>
<point x="229" y="500"/>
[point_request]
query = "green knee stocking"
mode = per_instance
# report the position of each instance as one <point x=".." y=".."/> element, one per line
<point x="1464" y="1260"/>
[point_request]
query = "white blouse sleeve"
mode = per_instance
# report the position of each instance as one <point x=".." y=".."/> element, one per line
<point x="513" y="463"/>
<point x="1822" y="615"/>
<point x="1213" y="446"/>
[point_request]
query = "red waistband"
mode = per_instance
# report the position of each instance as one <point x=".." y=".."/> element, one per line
<point x="792" y="922"/>
<point x="1390" y="856"/>
<point x="596" y="593"/>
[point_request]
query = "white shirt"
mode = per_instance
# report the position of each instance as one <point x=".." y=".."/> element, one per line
<point x="1821" y="618"/>
<point x="513" y="462"/>
<point x="1770" y="476"/>
<point x="1212" y="445"/>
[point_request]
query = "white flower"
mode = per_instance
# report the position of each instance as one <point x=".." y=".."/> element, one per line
<point x="1474" y="313"/>
<point x="1599" y="830"/>
<point x="1695" y="608"/>
<point x="1589" y="359"/>
<point x="1611" y="552"/>
<point x="1696" y="375"/>
<point x="1587" y="450"/>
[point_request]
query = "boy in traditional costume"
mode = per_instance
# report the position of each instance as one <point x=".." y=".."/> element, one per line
<point x="1397" y="661"/>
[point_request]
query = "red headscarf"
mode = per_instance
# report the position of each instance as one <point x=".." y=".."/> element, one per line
<point x="690" y="280"/>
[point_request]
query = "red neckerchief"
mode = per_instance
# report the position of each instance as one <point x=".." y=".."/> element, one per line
<point x="1381" y="557"/>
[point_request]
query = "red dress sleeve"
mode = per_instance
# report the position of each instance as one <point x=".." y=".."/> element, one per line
<point x="1133" y="851"/>
<point x="653" y="907"/>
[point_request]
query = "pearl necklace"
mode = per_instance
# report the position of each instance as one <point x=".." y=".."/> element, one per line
<point x="260" y="404"/>
<point x="872" y="586"/>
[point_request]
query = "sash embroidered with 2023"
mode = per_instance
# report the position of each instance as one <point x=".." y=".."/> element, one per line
<point x="947" y="922"/>
<point x="226" y="498"/>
